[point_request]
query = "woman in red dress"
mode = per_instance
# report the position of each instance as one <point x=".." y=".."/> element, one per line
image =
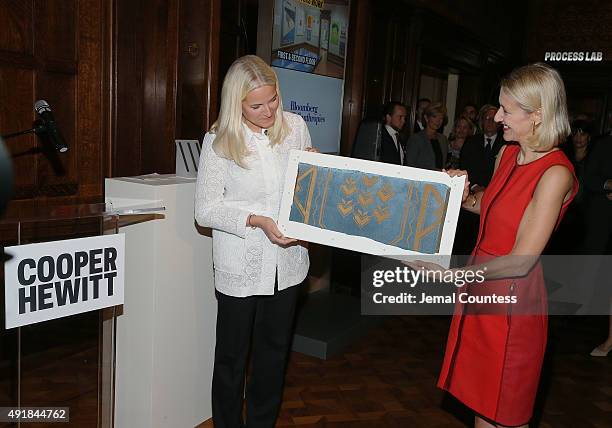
<point x="493" y="359"/>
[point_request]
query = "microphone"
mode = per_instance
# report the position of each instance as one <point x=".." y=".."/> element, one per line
<point x="43" y="109"/>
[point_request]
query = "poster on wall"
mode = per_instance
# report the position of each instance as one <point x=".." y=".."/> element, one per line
<point x="308" y="53"/>
<point x="299" y="29"/>
<point x="288" y="30"/>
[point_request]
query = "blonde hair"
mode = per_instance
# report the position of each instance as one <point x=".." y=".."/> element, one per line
<point x="540" y="87"/>
<point x="467" y="120"/>
<point x="434" y="109"/>
<point x="244" y="75"/>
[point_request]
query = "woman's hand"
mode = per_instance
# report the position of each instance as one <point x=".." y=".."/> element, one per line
<point x="312" y="149"/>
<point x="422" y="265"/>
<point x="271" y="230"/>
<point x="459" y="173"/>
<point x="427" y="267"/>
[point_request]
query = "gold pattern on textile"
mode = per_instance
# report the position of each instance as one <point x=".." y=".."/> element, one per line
<point x="385" y="194"/>
<point x="428" y="191"/>
<point x="305" y="211"/>
<point x="361" y="218"/>
<point x="324" y="201"/>
<point x="345" y="207"/>
<point x="409" y="192"/>
<point x="369" y="181"/>
<point x="349" y="187"/>
<point x="381" y="213"/>
<point x="365" y="199"/>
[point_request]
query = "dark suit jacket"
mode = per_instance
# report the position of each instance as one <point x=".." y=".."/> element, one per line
<point x="388" y="150"/>
<point x="598" y="215"/>
<point x="419" y="153"/>
<point x="473" y="158"/>
<point x="364" y="146"/>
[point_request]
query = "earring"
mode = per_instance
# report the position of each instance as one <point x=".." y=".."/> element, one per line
<point x="533" y="129"/>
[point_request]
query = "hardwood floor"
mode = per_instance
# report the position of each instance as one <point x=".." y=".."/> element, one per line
<point x="388" y="380"/>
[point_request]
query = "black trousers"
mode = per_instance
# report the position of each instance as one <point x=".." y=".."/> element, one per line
<point x="268" y="320"/>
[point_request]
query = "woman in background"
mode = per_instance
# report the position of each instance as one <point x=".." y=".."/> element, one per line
<point x="428" y="149"/>
<point x="257" y="269"/>
<point x="463" y="128"/>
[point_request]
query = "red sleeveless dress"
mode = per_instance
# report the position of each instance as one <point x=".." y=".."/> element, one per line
<point x="492" y="361"/>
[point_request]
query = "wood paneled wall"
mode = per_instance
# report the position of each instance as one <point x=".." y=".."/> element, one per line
<point x="124" y="80"/>
<point x="165" y="55"/>
<point x="55" y="50"/>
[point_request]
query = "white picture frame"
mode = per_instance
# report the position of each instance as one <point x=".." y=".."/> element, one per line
<point x="361" y="244"/>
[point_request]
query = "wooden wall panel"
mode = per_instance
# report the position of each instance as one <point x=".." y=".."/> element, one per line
<point x="56" y="51"/>
<point x="355" y="75"/>
<point x="16" y="24"/>
<point x="197" y="73"/>
<point x="17" y="114"/>
<point x="127" y="103"/>
<point x="159" y="62"/>
<point x="92" y="96"/>
<point x="164" y="74"/>
<point x="144" y="101"/>
<point x="55" y="30"/>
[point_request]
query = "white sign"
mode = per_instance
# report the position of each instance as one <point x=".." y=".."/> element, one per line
<point x="55" y="279"/>
<point x="363" y="208"/>
<point x="318" y="100"/>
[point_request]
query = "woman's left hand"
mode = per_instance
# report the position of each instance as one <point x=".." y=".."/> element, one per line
<point x="428" y="266"/>
<point x="312" y="149"/>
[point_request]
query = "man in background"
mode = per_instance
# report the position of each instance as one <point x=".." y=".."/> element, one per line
<point x="422" y="104"/>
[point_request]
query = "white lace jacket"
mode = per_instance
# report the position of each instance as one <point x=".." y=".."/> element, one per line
<point x="245" y="261"/>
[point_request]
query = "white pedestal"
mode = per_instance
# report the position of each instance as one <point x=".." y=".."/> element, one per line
<point x="166" y="334"/>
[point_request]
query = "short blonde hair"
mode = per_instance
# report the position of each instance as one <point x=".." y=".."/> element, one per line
<point x="540" y="87"/>
<point x="244" y="75"/>
<point x="460" y="118"/>
<point x="434" y="109"/>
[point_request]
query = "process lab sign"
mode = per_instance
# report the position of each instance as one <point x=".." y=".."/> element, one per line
<point x="55" y="279"/>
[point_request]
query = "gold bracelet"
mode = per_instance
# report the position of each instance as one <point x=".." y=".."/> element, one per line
<point x="475" y="200"/>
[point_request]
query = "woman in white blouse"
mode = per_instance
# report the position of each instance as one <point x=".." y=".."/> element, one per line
<point x="240" y="180"/>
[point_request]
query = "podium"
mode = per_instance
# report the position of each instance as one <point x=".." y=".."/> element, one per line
<point x="166" y="333"/>
<point x="65" y="362"/>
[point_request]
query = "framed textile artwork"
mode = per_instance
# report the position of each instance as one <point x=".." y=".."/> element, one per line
<point x="370" y="207"/>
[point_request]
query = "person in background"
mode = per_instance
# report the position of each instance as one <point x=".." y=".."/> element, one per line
<point x="479" y="151"/>
<point x="470" y="111"/>
<point x="257" y="269"/>
<point x="428" y="149"/>
<point x="477" y="157"/>
<point x="391" y="147"/>
<point x="462" y="130"/>
<point x="577" y="149"/>
<point x="598" y="220"/>
<point x="571" y="230"/>
<point x="419" y="123"/>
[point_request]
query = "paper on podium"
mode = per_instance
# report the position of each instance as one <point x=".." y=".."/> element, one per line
<point x="371" y="207"/>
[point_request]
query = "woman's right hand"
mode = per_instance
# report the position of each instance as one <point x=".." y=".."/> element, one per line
<point x="270" y="228"/>
<point x="459" y="173"/>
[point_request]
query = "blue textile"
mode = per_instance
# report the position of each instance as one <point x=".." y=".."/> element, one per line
<point x="404" y="213"/>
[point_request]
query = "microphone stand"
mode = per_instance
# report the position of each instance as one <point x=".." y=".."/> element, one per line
<point x="38" y="129"/>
